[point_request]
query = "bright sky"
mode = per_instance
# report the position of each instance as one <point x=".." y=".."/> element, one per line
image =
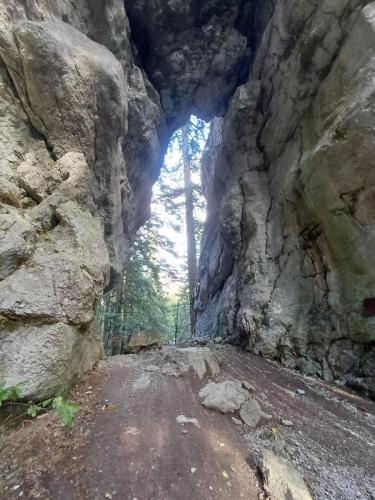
<point x="178" y="237"/>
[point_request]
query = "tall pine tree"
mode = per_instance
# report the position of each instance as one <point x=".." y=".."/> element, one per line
<point x="187" y="196"/>
<point x="155" y="293"/>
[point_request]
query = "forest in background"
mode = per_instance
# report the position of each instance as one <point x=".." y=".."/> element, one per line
<point x="158" y="282"/>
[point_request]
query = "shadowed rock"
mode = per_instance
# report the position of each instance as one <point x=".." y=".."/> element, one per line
<point x="90" y="93"/>
<point x="143" y="340"/>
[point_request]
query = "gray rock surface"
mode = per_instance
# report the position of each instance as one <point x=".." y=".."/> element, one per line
<point x="46" y="359"/>
<point x="82" y="79"/>
<point x="230" y="396"/>
<point x="225" y="397"/>
<point x="90" y="93"/>
<point x="251" y="412"/>
<point x="281" y="480"/>
<point x="287" y="257"/>
<point x="178" y="362"/>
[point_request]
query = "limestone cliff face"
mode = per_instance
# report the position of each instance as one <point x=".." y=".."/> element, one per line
<point x="288" y="251"/>
<point x="91" y="91"/>
<point x="88" y="101"/>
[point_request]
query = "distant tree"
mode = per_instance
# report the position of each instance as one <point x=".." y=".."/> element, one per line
<point x="190" y="223"/>
<point x="180" y="315"/>
<point x="139" y="302"/>
<point x="187" y="195"/>
<point x="142" y="300"/>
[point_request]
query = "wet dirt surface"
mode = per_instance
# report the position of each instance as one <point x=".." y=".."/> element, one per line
<point x="127" y="444"/>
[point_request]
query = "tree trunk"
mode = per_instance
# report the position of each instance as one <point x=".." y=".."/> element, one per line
<point x="107" y="321"/>
<point x="190" y="229"/>
<point x="125" y="306"/>
<point x="116" y="346"/>
<point x="176" y="320"/>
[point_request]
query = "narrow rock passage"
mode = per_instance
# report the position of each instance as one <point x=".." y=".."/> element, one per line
<point x="128" y="444"/>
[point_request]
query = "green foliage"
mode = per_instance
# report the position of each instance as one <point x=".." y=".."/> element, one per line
<point x="33" y="410"/>
<point x="9" y="394"/>
<point x="140" y="302"/>
<point x="153" y="294"/>
<point x="179" y="316"/>
<point x="171" y="181"/>
<point x="65" y="410"/>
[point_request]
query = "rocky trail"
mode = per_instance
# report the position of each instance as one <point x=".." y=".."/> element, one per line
<point x="142" y="433"/>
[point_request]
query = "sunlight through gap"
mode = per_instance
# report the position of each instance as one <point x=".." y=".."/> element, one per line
<point x="154" y="293"/>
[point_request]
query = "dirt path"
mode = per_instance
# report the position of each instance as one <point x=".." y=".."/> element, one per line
<point x="127" y="443"/>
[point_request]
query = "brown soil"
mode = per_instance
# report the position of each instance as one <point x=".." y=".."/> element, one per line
<point x="127" y="444"/>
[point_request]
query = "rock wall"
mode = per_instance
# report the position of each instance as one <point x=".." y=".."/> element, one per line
<point x="88" y="101"/>
<point x="288" y="251"/>
<point x="91" y="91"/>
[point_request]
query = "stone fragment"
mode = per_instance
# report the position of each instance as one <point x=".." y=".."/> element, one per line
<point x="236" y="421"/>
<point x="171" y="370"/>
<point x="287" y="423"/>
<point x="181" y="419"/>
<point x="276" y="440"/>
<point x="339" y="382"/>
<point x="10" y="193"/>
<point x="142" y="382"/>
<point x="225" y="397"/>
<point x="152" y="369"/>
<point x="281" y="480"/>
<point x="252" y="413"/>
<point x="143" y="340"/>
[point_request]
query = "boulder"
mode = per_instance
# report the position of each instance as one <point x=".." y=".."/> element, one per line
<point x="226" y="397"/>
<point x="201" y="360"/>
<point x="46" y="359"/>
<point x="281" y="480"/>
<point x="251" y="413"/>
<point x="143" y="340"/>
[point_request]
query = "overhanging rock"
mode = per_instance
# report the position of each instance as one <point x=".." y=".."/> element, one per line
<point x="89" y="96"/>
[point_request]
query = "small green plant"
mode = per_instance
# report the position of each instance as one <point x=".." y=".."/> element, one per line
<point x="9" y="394"/>
<point x="64" y="409"/>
